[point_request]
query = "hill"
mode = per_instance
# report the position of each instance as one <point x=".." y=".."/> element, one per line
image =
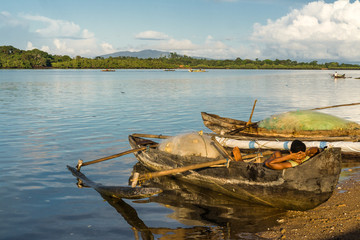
<point x="141" y="54"/>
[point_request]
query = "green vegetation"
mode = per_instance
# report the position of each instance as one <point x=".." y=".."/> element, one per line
<point x="11" y="57"/>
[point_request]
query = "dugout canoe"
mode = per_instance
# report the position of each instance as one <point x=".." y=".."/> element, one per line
<point x="300" y="188"/>
<point x="350" y="131"/>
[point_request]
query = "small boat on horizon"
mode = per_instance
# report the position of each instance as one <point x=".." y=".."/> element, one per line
<point x="336" y="75"/>
<point x="197" y="70"/>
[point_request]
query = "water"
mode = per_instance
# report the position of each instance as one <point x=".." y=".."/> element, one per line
<point x="52" y="118"/>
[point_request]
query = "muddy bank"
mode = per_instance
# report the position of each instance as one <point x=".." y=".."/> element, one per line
<point x="338" y="218"/>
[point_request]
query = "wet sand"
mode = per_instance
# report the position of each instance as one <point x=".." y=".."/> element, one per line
<point x="338" y="218"/>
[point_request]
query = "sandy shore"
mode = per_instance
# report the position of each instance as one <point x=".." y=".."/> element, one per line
<point x="338" y="218"/>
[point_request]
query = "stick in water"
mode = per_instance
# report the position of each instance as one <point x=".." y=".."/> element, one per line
<point x="81" y="163"/>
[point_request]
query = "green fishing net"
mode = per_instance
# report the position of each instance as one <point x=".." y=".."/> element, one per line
<point x="306" y="120"/>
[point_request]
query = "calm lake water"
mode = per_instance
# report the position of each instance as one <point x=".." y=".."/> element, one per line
<point x="52" y="118"/>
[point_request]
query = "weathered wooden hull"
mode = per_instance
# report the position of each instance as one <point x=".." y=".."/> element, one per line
<point x="301" y="188"/>
<point x="229" y="126"/>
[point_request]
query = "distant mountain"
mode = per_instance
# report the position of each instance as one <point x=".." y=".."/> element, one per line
<point x="141" y="54"/>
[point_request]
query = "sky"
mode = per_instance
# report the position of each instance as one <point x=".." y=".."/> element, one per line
<point x="300" y="30"/>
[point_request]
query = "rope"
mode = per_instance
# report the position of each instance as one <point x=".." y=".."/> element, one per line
<point x="201" y="133"/>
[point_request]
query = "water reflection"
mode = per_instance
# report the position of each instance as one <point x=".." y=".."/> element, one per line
<point x="209" y="215"/>
<point x="195" y="206"/>
<point x="130" y="216"/>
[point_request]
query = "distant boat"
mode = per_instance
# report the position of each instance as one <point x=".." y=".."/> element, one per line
<point x="338" y="75"/>
<point x="197" y="70"/>
<point x="169" y="70"/>
<point x="108" y="70"/>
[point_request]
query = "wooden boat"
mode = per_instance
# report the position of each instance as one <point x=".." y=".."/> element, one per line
<point x="338" y="75"/>
<point x="253" y="136"/>
<point x="300" y="188"/>
<point x="229" y="126"/>
<point x="108" y="70"/>
<point x="197" y="70"/>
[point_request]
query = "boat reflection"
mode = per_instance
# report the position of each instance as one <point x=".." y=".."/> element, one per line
<point x="130" y="216"/>
<point x="217" y="214"/>
<point x="206" y="214"/>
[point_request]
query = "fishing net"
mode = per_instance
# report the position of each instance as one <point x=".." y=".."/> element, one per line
<point x="306" y="120"/>
<point x="190" y="144"/>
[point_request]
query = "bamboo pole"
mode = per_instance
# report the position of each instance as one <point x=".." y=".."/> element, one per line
<point x="150" y="135"/>
<point x="334" y="106"/>
<point x="249" y="122"/>
<point x="81" y="163"/>
<point x="181" y="169"/>
<point x="195" y="166"/>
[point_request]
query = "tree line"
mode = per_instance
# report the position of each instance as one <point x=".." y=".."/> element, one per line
<point x="13" y="58"/>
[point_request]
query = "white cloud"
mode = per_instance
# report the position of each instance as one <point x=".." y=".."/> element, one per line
<point x="6" y="19"/>
<point x="56" y="28"/>
<point x="151" y="35"/>
<point x="51" y="35"/>
<point x="29" y="46"/>
<point x="45" y="49"/>
<point x="107" y="48"/>
<point x="317" y="31"/>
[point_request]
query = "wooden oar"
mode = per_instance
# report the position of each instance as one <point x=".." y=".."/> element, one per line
<point x="341" y="105"/>
<point x="81" y="163"/>
<point x="249" y="122"/>
<point x="195" y="166"/>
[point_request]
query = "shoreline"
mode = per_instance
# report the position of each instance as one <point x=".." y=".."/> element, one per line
<point x="337" y="218"/>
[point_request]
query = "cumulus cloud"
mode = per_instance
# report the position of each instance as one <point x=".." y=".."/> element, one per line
<point x="57" y="28"/>
<point x="317" y="31"/>
<point x="151" y="35"/>
<point x="54" y="36"/>
<point x="64" y="37"/>
<point x="29" y="46"/>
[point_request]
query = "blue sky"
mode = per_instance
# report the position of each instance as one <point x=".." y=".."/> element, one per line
<point x="221" y="29"/>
